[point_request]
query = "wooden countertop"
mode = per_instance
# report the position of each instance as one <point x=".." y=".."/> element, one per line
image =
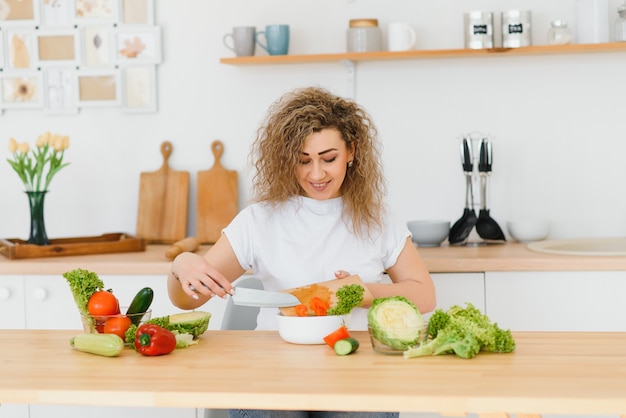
<point x="550" y="373"/>
<point x="444" y="259"/>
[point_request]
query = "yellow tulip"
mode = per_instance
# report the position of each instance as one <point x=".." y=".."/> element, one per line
<point x="12" y="145"/>
<point x="65" y="142"/>
<point x="43" y="139"/>
<point x="23" y="147"/>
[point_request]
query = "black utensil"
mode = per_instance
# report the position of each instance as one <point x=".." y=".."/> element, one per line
<point x="462" y="228"/>
<point x="486" y="226"/>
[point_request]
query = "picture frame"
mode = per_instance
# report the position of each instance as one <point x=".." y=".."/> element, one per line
<point x="22" y="90"/>
<point x="139" y="84"/>
<point x="89" y="12"/>
<point x="19" y="13"/>
<point x="97" y="46"/>
<point x="56" y="13"/>
<point x="137" y="45"/>
<point x="137" y="12"/>
<point x="60" y="95"/>
<point x="98" y="88"/>
<point x="20" y="52"/>
<point x="57" y="47"/>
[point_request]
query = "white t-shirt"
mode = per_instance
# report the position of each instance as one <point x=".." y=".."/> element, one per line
<point x="304" y="241"/>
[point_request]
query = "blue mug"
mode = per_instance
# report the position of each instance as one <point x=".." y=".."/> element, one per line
<point x="276" y="39"/>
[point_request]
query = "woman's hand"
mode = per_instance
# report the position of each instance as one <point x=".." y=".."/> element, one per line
<point x="192" y="276"/>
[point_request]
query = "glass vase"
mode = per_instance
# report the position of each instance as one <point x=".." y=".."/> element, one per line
<point x="38" y="234"/>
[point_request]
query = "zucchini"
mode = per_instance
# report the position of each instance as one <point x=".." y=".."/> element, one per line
<point x="108" y="345"/>
<point x="346" y="346"/>
<point x="140" y="304"/>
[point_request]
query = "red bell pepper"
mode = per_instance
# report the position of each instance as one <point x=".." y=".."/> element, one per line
<point x="153" y="340"/>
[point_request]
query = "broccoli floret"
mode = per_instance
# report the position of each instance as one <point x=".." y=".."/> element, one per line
<point x="83" y="284"/>
<point x="464" y="332"/>
<point x="348" y="297"/>
<point x="395" y="321"/>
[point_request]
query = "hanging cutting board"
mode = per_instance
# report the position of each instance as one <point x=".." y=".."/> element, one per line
<point x="163" y="202"/>
<point x="326" y="291"/>
<point x="217" y="198"/>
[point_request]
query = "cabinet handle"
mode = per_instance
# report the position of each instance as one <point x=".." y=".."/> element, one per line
<point x="5" y="293"/>
<point x="40" y="293"/>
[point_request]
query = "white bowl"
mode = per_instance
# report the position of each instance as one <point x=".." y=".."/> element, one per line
<point x="429" y="233"/>
<point x="309" y="329"/>
<point x="528" y="230"/>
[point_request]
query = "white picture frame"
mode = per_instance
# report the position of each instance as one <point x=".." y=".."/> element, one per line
<point x="56" y="13"/>
<point x="57" y="47"/>
<point x="137" y="45"/>
<point x="98" y="88"/>
<point x="21" y="90"/>
<point x="137" y="12"/>
<point x="97" y="46"/>
<point x="20" y="52"/>
<point x="90" y="12"/>
<point x="60" y="95"/>
<point x="19" y="13"/>
<point x="139" y="92"/>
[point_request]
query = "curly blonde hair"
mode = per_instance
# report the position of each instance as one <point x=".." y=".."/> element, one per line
<point x="277" y="149"/>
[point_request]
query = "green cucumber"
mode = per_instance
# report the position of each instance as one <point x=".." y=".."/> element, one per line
<point x="108" y="345"/>
<point x="346" y="346"/>
<point x="140" y="304"/>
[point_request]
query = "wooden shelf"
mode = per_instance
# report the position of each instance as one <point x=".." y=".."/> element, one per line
<point x="427" y="54"/>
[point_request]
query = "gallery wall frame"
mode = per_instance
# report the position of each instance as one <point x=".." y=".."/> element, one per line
<point x="22" y="90"/>
<point x="99" y="88"/>
<point x="57" y="47"/>
<point x="65" y="55"/>
<point x="19" y="13"/>
<point x="137" y="45"/>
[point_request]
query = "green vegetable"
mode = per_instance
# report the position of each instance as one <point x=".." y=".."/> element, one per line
<point x="464" y="332"/>
<point x="140" y="303"/>
<point x="348" y="297"/>
<point x="108" y="345"/>
<point x="83" y="284"/>
<point x="395" y="321"/>
<point x="185" y="340"/>
<point x="346" y="346"/>
<point x="194" y="323"/>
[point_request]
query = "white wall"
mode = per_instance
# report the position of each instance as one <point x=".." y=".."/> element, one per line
<point x="557" y="121"/>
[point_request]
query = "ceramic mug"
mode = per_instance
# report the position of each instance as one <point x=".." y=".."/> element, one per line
<point x="242" y="40"/>
<point x="276" y="39"/>
<point x="400" y="37"/>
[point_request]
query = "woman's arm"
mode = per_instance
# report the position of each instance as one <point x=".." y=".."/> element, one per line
<point x="410" y="278"/>
<point x="210" y="275"/>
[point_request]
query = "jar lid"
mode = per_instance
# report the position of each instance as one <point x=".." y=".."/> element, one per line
<point x="559" y="23"/>
<point x="363" y="23"/>
<point x="515" y="13"/>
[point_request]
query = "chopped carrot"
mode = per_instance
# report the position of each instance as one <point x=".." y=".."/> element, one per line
<point x="319" y="306"/>
<point x="302" y="310"/>
<point x="339" y="334"/>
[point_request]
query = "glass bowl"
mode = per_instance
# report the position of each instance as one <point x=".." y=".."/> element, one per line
<point x="96" y="324"/>
<point x="396" y="340"/>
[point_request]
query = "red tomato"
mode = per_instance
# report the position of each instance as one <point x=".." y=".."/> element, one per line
<point x="117" y="325"/>
<point x="103" y="303"/>
<point x="339" y="334"/>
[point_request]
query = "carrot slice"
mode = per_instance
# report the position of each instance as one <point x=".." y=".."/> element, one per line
<point x="302" y="310"/>
<point x="319" y="306"/>
<point x="339" y="334"/>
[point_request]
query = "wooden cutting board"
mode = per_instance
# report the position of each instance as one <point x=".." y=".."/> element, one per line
<point x="325" y="291"/>
<point x="163" y="202"/>
<point x="217" y="198"/>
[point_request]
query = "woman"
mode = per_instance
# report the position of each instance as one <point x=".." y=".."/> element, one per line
<point x="319" y="214"/>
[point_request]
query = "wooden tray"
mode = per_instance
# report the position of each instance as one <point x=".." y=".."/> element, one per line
<point x="116" y="242"/>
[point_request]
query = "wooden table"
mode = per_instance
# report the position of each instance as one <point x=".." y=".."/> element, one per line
<point x="569" y="373"/>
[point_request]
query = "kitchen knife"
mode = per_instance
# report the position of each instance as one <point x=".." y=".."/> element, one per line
<point x="244" y="296"/>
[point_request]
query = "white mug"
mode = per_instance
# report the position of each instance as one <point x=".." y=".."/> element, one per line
<point x="400" y="37"/>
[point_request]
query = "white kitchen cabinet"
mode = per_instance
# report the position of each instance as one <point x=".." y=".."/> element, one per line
<point x="459" y="289"/>
<point x="12" y="303"/>
<point x="557" y="301"/>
